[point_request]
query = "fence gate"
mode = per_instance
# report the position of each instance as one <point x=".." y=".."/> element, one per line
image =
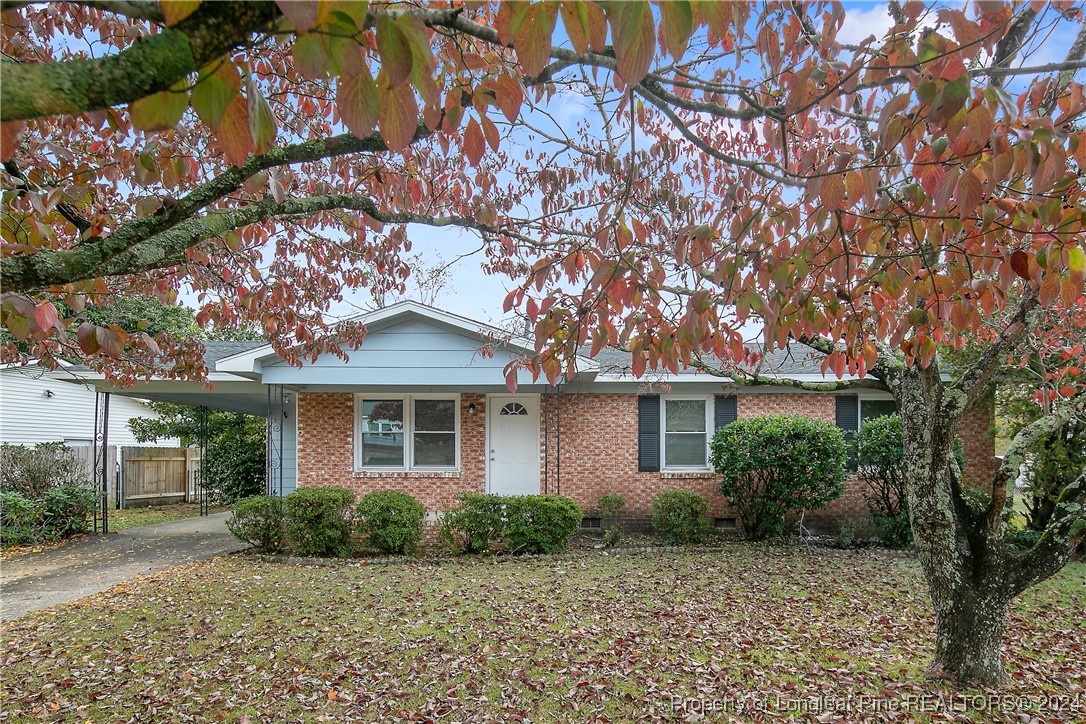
<point x="159" y="475"/>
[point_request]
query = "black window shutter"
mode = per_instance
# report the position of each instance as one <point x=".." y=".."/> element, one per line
<point x="848" y="419"/>
<point x="648" y="433"/>
<point x="725" y="410"/>
<point x="848" y="414"/>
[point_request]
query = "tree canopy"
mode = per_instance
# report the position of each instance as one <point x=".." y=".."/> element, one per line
<point x="874" y="198"/>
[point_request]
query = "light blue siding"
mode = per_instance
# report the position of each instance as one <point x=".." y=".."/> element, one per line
<point x="404" y="355"/>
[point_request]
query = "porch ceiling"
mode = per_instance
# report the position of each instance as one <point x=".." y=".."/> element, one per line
<point x="232" y="395"/>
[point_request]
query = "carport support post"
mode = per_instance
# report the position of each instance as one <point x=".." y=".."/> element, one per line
<point x="99" y="455"/>
<point x="205" y="503"/>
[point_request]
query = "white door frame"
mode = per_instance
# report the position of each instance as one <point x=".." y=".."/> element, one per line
<point x="491" y="399"/>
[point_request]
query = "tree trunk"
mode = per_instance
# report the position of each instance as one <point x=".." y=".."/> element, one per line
<point x="963" y="568"/>
<point x="969" y="626"/>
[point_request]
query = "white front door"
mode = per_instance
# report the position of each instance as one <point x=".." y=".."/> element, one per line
<point x="513" y="467"/>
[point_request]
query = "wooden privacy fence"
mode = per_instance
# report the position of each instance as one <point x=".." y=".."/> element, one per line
<point x="85" y="455"/>
<point x="159" y="475"/>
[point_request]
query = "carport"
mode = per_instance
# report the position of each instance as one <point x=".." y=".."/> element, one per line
<point x="223" y="391"/>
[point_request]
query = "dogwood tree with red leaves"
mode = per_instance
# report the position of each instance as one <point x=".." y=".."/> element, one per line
<point x="739" y="163"/>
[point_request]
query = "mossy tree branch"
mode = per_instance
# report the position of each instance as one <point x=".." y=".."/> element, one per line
<point x="150" y="65"/>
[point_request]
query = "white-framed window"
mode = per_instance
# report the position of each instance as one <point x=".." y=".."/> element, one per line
<point x="687" y="425"/>
<point x="872" y="408"/>
<point x="407" y="432"/>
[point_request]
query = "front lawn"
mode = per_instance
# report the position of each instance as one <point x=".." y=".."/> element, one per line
<point x="583" y="636"/>
<point x="153" y="515"/>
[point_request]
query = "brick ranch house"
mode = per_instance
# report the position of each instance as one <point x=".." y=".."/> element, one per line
<point x="422" y="407"/>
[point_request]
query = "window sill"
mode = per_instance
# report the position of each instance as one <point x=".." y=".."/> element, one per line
<point x="406" y="473"/>
<point x="679" y="474"/>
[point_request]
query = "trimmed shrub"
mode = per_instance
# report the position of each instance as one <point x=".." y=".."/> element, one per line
<point x="258" y="520"/>
<point x="541" y="523"/>
<point x="391" y="521"/>
<point x="771" y="466"/>
<point x="680" y="517"/>
<point x="526" y="523"/>
<point x="316" y="520"/>
<point x="68" y="509"/>
<point x="475" y="523"/>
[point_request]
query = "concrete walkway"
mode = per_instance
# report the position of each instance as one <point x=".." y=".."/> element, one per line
<point x="96" y="562"/>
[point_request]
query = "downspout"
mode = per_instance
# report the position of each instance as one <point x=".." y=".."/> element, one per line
<point x="546" y="444"/>
<point x="558" y="439"/>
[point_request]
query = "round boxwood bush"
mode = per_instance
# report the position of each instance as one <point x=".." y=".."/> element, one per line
<point x="476" y="523"/>
<point x="258" y="520"/>
<point x="316" y="520"/>
<point x="541" y="523"/>
<point x="390" y="521"/>
<point x="680" y="516"/>
<point x="773" y="465"/>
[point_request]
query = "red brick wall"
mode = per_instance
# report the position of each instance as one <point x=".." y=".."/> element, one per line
<point x="598" y="453"/>
<point x="326" y="452"/>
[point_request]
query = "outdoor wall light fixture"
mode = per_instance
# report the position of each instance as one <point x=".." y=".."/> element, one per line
<point x="471" y="408"/>
<point x="49" y="393"/>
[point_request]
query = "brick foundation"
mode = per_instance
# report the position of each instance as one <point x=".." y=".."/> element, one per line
<point x="598" y="454"/>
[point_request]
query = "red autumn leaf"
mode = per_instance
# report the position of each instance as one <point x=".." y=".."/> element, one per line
<point x="1020" y="263"/>
<point x="490" y="133"/>
<point x="509" y="96"/>
<point x="87" y="338"/>
<point x="9" y="138"/>
<point x="676" y="25"/>
<point x="358" y="102"/>
<point x="233" y="132"/>
<point x="968" y="192"/>
<point x="833" y="192"/>
<point x="397" y="116"/>
<point x="634" y="33"/>
<point x="45" y="315"/>
<point x="532" y="40"/>
<point x="302" y="14"/>
<point x="585" y="24"/>
<point x="474" y="145"/>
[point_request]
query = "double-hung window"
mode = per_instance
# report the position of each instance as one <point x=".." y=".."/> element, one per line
<point x="686" y="426"/>
<point x="406" y="433"/>
<point x="871" y="409"/>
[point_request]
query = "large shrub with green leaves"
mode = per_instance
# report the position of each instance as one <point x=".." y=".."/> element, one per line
<point x="773" y="465"/>
<point x="317" y="520"/>
<point x="524" y="524"/>
<point x="879" y="452"/>
<point x="31" y="471"/>
<point x="259" y="521"/>
<point x="390" y="521"/>
<point x="680" y="517"/>
<point x="477" y="522"/>
<point x="44" y="493"/>
<point x="541" y="523"/>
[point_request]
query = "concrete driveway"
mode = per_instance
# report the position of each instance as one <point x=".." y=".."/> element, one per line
<point x="96" y="562"/>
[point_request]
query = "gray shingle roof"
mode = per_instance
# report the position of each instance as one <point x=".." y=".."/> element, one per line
<point x="215" y="350"/>
<point x="797" y="360"/>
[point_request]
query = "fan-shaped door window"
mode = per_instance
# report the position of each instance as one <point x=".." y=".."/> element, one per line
<point x="513" y="408"/>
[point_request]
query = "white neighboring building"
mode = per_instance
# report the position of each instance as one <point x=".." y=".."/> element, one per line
<point x="40" y="405"/>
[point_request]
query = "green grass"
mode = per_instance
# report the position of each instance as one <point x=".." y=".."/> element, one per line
<point x="578" y="637"/>
<point x="138" y="517"/>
